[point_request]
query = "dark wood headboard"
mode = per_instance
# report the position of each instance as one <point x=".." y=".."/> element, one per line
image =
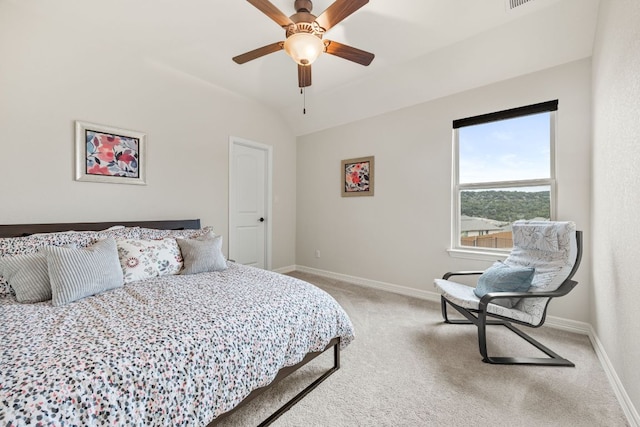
<point x="18" y="230"/>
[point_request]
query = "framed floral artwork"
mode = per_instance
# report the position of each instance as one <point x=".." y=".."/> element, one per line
<point x="107" y="154"/>
<point x="356" y="176"/>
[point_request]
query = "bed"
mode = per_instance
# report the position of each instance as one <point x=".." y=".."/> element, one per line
<point x="168" y="349"/>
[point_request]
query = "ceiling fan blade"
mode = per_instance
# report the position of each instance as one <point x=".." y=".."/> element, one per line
<point x="304" y="75"/>
<point x="257" y="53"/>
<point x="348" y="52"/>
<point x="338" y="11"/>
<point x="266" y="7"/>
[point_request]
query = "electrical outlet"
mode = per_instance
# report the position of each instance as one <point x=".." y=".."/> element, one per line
<point x="317" y="253"/>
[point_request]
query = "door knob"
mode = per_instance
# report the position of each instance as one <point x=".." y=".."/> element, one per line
<point x="261" y="220"/>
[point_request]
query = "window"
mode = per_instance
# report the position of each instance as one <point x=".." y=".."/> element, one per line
<point x="504" y="171"/>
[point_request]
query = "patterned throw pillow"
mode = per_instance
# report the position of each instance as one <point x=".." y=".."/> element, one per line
<point x="5" y="289"/>
<point x="156" y="234"/>
<point x="10" y="246"/>
<point x="119" y="233"/>
<point x="143" y="259"/>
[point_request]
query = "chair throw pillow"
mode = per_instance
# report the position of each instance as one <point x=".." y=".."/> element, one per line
<point x="79" y="273"/>
<point x="501" y="277"/>
<point x="203" y="254"/>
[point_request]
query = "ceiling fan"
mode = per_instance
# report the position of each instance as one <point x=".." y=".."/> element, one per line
<point x="304" y="35"/>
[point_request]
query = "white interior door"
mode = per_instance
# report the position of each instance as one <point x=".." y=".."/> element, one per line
<point x="249" y="202"/>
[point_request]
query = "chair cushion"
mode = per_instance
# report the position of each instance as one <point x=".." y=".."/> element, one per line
<point x="552" y="267"/>
<point x="501" y="277"/>
<point x="463" y="296"/>
<point x="540" y="235"/>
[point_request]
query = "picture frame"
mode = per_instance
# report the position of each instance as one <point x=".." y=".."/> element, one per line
<point x="109" y="154"/>
<point x="357" y="176"/>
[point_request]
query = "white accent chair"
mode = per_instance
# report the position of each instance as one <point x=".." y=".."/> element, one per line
<point x="554" y="250"/>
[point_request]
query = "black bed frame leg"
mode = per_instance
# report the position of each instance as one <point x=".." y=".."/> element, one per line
<point x="298" y="397"/>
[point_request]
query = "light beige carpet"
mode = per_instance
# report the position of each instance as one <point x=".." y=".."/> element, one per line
<point x="407" y="368"/>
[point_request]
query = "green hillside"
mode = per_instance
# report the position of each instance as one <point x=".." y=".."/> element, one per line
<point x="505" y="206"/>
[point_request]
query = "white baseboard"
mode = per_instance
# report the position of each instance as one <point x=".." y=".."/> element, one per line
<point x="568" y="325"/>
<point x="397" y="289"/>
<point x="285" y="270"/>
<point x="618" y="388"/>
<point x="551" y="321"/>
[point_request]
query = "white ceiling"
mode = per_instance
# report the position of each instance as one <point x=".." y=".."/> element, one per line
<point x="424" y="49"/>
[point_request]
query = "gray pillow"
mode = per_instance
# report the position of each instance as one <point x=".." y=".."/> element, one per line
<point x="79" y="273"/>
<point x="202" y="254"/>
<point x="28" y="276"/>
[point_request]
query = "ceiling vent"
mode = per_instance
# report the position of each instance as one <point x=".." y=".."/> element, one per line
<point x="512" y="4"/>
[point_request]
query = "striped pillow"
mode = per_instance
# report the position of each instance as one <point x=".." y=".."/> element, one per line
<point x="28" y="276"/>
<point x="79" y="273"/>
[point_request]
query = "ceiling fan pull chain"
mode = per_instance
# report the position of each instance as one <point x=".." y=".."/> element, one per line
<point x="303" y="92"/>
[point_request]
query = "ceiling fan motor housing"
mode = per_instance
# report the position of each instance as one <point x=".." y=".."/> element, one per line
<point x="303" y="6"/>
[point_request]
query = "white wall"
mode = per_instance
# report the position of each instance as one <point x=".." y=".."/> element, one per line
<point x="400" y="236"/>
<point x="616" y="180"/>
<point x="50" y="77"/>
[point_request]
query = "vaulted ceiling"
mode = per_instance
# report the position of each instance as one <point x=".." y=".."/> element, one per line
<point x="424" y="49"/>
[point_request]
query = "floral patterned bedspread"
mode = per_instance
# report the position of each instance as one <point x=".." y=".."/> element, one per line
<point x="174" y="350"/>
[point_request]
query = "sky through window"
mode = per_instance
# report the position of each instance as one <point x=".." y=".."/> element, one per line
<point x="505" y="150"/>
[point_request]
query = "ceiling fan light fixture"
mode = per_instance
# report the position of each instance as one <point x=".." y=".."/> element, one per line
<point x="304" y="48"/>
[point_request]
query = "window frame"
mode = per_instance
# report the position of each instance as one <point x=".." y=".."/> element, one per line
<point x="456" y="249"/>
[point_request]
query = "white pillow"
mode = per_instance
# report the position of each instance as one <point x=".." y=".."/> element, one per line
<point x="143" y="259"/>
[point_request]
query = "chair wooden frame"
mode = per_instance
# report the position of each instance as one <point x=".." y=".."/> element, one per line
<point x="481" y="317"/>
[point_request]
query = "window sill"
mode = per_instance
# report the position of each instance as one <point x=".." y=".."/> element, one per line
<point x="478" y="255"/>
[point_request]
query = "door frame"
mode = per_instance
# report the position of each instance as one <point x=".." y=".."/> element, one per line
<point x="236" y="141"/>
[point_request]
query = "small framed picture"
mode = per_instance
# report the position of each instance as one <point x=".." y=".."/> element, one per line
<point x="356" y="176"/>
<point x="107" y="154"/>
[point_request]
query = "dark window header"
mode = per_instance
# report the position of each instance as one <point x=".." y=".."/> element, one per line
<point x="507" y="114"/>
